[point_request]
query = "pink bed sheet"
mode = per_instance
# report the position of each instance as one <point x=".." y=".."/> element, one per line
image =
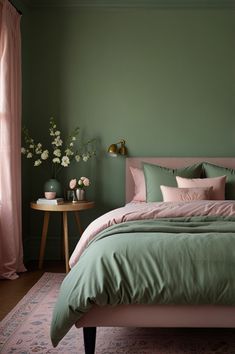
<point x="144" y="211"/>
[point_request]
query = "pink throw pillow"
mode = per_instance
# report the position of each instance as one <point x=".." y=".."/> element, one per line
<point x="218" y="184"/>
<point x="140" y="188"/>
<point x="174" y="194"/>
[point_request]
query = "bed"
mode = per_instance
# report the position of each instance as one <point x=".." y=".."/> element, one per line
<point x="167" y="230"/>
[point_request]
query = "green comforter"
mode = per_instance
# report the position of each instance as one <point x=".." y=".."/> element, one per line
<point x="166" y="261"/>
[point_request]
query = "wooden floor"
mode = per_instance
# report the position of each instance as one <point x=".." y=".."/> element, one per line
<point x="11" y="291"/>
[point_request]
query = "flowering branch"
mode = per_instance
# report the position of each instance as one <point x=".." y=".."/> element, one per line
<point x="59" y="157"/>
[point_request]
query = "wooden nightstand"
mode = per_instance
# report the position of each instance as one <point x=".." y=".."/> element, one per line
<point x="64" y="208"/>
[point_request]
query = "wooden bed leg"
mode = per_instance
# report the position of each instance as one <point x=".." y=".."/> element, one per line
<point x="89" y="336"/>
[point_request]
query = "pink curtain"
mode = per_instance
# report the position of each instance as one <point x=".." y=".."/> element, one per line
<point x="11" y="249"/>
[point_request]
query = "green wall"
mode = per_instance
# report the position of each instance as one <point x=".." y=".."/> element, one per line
<point x="162" y="79"/>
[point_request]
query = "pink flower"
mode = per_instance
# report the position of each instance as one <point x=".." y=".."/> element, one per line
<point x="86" y="182"/>
<point x="73" y="183"/>
<point x="83" y="182"/>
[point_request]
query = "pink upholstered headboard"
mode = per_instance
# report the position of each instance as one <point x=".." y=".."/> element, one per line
<point x="171" y="162"/>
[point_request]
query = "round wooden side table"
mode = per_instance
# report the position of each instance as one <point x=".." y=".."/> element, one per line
<point x="64" y="208"/>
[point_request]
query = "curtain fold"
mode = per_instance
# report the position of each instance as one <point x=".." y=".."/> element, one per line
<point x="11" y="248"/>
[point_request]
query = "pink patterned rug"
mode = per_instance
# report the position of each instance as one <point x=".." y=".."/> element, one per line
<point x="26" y="330"/>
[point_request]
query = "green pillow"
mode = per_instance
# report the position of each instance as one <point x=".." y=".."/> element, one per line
<point x="155" y="176"/>
<point x="211" y="170"/>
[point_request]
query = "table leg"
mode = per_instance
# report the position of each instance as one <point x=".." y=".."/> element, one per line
<point x="66" y="241"/>
<point x="62" y="237"/>
<point x="43" y="239"/>
<point x="78" y="222"/>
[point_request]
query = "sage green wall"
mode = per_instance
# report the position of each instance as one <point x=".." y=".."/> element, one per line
<point x="163" y="79"/>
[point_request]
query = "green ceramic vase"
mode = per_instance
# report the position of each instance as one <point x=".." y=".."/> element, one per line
<point x="53" y="185"/>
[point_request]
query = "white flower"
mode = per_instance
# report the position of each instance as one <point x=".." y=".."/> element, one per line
<point x="77" y="158"/>
<point x="68" y="152"/>
<point x="57" y="152"/>
<point x="57" y="132"/>
<point x="57" y="141"/>
<point x="65" y="161"/>
<point x="45" y="155"/>
<point x="80" y="182"/>
<point x="85" y="158"/>
<point x="38" y="151"/>
<point x="56" y="160"/>
<point x="23" y="150"/>
<point x="73" y="138"/>
<point x="37" y="162"/>
<point x="29" y="155"/>
<point x="31" y="146"/>
<point x="52" y="133"/>
<point x="71" y="144"/>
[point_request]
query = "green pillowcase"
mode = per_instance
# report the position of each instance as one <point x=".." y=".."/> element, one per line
<point x="211" y="170"/>
<point x="155" y="176"/>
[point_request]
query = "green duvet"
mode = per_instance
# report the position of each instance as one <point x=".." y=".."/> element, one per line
<point x="166" y="261"/>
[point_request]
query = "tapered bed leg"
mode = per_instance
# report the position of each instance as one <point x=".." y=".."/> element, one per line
<point x="89" y="336"/>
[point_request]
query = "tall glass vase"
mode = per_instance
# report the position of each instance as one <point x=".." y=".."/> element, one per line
<point x="53" y="185"/>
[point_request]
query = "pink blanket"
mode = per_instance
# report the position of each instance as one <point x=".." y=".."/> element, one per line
<point x="143" y="211"/>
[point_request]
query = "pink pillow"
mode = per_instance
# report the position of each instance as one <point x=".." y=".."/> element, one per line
<point x="174" y="194"/>
<point x="140" y="188"/>
<point x="218" y="184"/>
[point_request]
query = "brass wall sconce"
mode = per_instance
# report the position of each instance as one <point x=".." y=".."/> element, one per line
<point x="114" y="150"/>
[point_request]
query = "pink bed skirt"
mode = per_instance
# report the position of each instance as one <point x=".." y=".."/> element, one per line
<point x="159" y="316"/>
